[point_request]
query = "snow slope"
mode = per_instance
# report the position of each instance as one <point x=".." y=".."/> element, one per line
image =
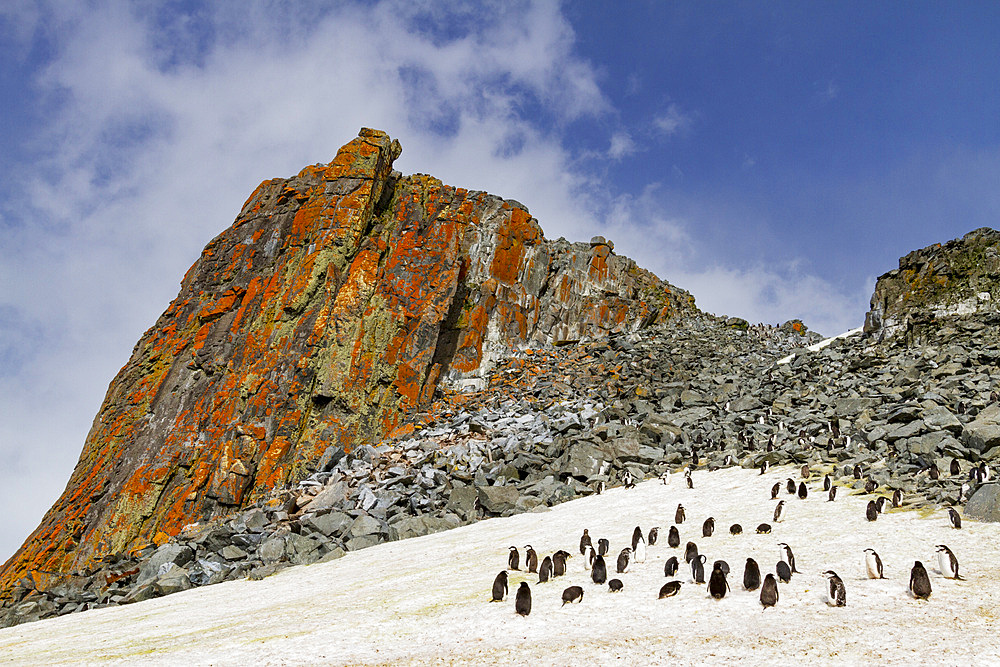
<point x="816" y="347"/>
<point x="425" y="600"/>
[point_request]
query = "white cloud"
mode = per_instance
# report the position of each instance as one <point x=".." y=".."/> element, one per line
<point x="621" y="145"/>
<point x="672" y="121"/>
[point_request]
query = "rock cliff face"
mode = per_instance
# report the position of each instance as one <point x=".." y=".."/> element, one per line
<point x="333" y="307"/>
<point x="960" y="277"/>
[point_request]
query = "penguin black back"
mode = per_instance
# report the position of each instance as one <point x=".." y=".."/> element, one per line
<point x="775" y="490"/>
<point x="572" y="594"/>
<point x="545" y="570"/>
<point x="670" y="567"/>
<point x="871" y="512"/>
<point x="654" y="533"/>
<point x="698" y="568"/>
<point x="920" y="583"/>
<point x="636" y="536"/>
<point x="623" y="560"/>
<point x="836" y="591"/>
<point x="769" y="591"/>
<point x="500" y="587"/>
<point x="530" y="559"/>
<point x="717" y="585"/>
<point x="690" y="551"/>
<point x="803" y="492"/>
<point x="827" y="483"/>
<point x="736" y="529"/>
<point x="585" y="541"/>
<point x="956" y="518"/>
<point x="615" y="585"/>
<point x="513" y="559"/>
<point x="870" y="486"/>
<point x="830" y="497"/>
<point x="673" y="537"/>
<point x="679" y="514"/>
<point x="522" y="603"/>
<point x="602" y="546"/>
<point x="784" y="571"/>
<point x="751" y="575"/>
<point x="669" y="589"/>
<point x="790" y="486"/>
<point x="764" y="529"/>
<point x="558" y="563"/>
<point x="599" y="573"/>
<point x="708" y="527"/>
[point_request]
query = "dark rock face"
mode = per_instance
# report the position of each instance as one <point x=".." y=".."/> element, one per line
<point x="960" y="277"/>
<point x="338" y="302"/>
<point x="985" y="503"/>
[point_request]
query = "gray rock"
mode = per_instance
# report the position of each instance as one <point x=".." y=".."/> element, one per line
<point x="582" y="459"/>
<point x="939" y="418"/>
<point x="328" y="498"/>
<point x="415" y="526"/>
<point x="272" y="550"/>
<point x="231" y="552"/>
<point x="331" y="524"/>
<point x="983" y="433"/>
<point x="365" y="525"/>
<point x="255" y="521"/>
<point x="848" y="407"/>
<point x="175" y="580"/>
<point x="171" y="553"/>
<point x="462" y="501"/>
<point x="985" y="503"/>
<point x="498" y="499"/>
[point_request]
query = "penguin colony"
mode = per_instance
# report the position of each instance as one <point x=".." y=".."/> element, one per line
<point x="764" y="584"/>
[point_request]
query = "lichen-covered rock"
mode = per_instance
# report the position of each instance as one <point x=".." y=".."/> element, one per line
<point x="959" y="277"/>
<point x="332" y="308"/>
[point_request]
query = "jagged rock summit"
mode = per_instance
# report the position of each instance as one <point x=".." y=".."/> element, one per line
<point x="336" y="304"/>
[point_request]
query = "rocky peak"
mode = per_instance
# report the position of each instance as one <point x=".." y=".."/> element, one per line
<point x="957" y="278"/>
<point x="335" y="305"/>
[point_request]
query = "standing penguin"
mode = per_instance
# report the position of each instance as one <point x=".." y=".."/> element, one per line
<point x="654" y="534"/>
<point x="769" y="592"/>
<point x="602" y="546"/>
<point x="670" y="567"/>
<point x="956" y="518"/>
<point x="640" y="550"/>
<point x="832" y="495"/>
<point x="803" y="491"/>
<point x="784" y="572"/>
<point x="897" y="498"/>
<point x="679" y="514"/>
<point x="545" y="571"/>
<point x="522" y="603"/>
<point x="933" y="472"/>
<point x="558" y="563"/>
<point x="623" y="560"/>
<point x="779" y="512"/>
<point x="787" y="556"/>
<point x="530" y="558"/>
<point x="775" y="490"/>
<point x="636" y="536"/>
<point x="880" y="504"/>
<point x="956" y="469"/>
<point x="585" y="541"/>
<point x="708" y="527"/>
<point x="790" y="486"/>
<point x="873" y="564"/>
<point x="857" y="471"/>
<point x="500" y="587"/>
<point x="717" y="584"/>
<point x="836" y="592"/>
<point x="513" y="559"/>
<point x="827" y="483"/>
<point x="673" y="537"/>
<point x="599" y="573"/>
<point x="690" y="551"/>
<point x="698" y="569"/>
<point x="751" y="575"/>
<point x="588" y="557"/>
<point x="920" y="583"/>
<point x="947" y="563"/>
<point x="871" y="512"/>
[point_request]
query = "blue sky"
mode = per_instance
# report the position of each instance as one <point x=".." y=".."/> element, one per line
<point x="772" y="158"/>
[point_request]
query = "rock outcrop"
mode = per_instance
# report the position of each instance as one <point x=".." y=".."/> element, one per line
<point x="959" y="277"/>
<point x="336" y="304"/>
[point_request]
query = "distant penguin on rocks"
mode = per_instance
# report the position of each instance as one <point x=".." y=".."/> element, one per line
<point x="599" y="487"/>
<point x="857" y="471"/>
<point x="624" y="559"/>
<point x="836" y="592"/>
<point x="790" y="486"/>
<point x="830" y="497"/>
<point x="764" y="529"/>
<point x="805" y="472"/>
<point x="870" y="486"/>
<point x="947" y="563"/>
<point x="787" y="555"/>
<point x="522" y="603"/>
<point x="956" y="469"/>
<point x="784" y="571"/>
<point x="698" y="568"/>
<point x="545" y="570"/>
<point x="717" y="584"/>
<point x="599" y="573"/>
<point x="763" y="467"/>
<point x="880" y="504"/>
<point x="933" y="472"/>
<point x="956" y="518"/>
<point x="602" y="546"/>
<point x="775" y="490"/>
<point x="690" y="482"/>
<point x="897" y="498"/>
<point x="751" y="575"/>
<point x="769" y="592"/>
<point x="827" y="483"/>
<point x="669" y="589"/>
<point x="615" y="585"/>
<point x="670" y="567"/>
<point x="558" y="563"/>
<point x="572" y="594"/>
<point x="690" y="551"/>
<point x="513" y="559"/>
<point x="585" y="541"/>
<point x="500" y="587"/>
<point x="803" y="491"/>
<point x="873" y="564"/>
<point x="779" y="512"/>
<point x="673" y="537"/>
<point x="736" y="529"/>
<point x="530" y="558"/>
<point x="679" y="514"/>
<point x="871" y="512"/>
<point x="628" y="480"/>
<point x="665" y="477"/>
<point x="920" y="583"/>
<point x="708" y="527"/>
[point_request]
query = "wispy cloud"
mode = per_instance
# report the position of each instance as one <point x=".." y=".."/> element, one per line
<point x="672" y="121"/>
<point x="621" y="145"/>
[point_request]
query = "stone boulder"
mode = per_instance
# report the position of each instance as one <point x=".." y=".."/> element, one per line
<point x="498" y="499"/>
<point x="985" y="503"/>
<point x="984" y="432"/>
